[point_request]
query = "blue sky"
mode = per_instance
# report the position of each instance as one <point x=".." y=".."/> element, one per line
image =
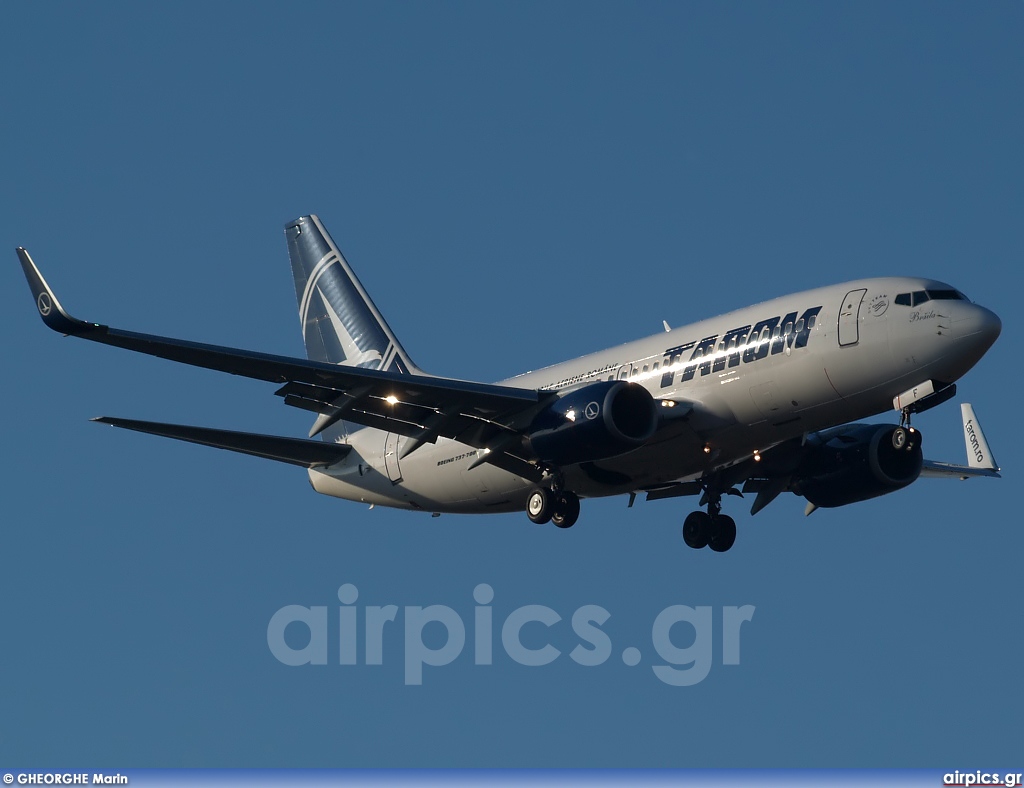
<point x="515" y="185"/>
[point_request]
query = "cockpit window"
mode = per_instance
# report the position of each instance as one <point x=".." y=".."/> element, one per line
<point x="924" y="296"/>
<point x="947" y="295"/>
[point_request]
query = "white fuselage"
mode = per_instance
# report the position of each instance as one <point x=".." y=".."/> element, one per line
<point x="757" y="376"/>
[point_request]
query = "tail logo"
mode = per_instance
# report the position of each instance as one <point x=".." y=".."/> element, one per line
<point x="361" y="342"/>
<point x="340" y="325"/>
<point x="44" y="303"/>
<point x="979" y="455"/>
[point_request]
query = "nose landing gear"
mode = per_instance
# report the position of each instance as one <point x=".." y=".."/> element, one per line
<point x="905" y="436"/>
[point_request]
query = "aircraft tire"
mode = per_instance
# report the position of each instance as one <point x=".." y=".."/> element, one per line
<point x="696" y="527"/>
<point x="540" y="505"/>
<point x="723" y="533"/>
<point x="567" y="510"/>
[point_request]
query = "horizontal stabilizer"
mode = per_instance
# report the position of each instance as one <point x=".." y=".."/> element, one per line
<point x="297" y="451"/>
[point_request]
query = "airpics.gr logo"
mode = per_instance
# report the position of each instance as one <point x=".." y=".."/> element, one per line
<point x="1010" y="779"/>
<point x="298" y="636"/>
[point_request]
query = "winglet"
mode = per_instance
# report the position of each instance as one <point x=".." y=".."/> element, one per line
<point x="979" y="455"/>
<point x="49" y="307"/>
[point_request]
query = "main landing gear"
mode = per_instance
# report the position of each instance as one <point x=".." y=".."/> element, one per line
<point x="712" y="529"/>
<point x="559" y="506"/>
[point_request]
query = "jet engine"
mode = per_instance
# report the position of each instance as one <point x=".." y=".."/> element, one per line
<point x="594" y="422"/>
<point x="860" y="462"/>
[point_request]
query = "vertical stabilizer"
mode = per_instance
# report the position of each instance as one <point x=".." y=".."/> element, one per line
<point x="340" y="324"/>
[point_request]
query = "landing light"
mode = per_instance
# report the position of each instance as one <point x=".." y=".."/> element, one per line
<point x="570" y="414"/>
<point x="667" y="403"/>
<point x="707" y="449"/>
<point x="391" y="400"/>
<point x="757" y="456"/>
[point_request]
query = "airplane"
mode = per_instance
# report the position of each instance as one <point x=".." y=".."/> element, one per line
<point x="762" y="400"/>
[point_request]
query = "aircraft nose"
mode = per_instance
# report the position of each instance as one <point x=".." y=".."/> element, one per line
<point x="980" y="327"/>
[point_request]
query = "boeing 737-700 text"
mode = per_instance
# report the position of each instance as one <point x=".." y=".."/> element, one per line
<point x="757" y="401"/>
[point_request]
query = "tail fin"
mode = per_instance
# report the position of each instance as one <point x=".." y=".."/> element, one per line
<point x="340" y="324"/>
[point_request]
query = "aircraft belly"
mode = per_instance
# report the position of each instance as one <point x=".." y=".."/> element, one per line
<point x="439" y="476"/>
<point x="649" y="466"/>
<point x="371" y="474"/>
<point x="492" y="486"/>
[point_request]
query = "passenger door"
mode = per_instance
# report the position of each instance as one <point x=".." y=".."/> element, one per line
<point x="849" y="318"/>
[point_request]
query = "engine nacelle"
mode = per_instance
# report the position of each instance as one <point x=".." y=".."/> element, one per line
<point x="859" y="463"/>
<point x="595" y="422"/>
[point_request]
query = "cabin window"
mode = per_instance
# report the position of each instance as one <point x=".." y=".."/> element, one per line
<point x="800" y="325"/>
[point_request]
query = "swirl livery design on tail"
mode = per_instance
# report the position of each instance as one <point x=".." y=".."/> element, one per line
<point x="340" y="324"/>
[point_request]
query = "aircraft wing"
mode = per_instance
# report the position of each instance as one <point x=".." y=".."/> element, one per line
<point x="945" y="470"/>
<point x="419" y="407"/>
<point x="787" y="465"/>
